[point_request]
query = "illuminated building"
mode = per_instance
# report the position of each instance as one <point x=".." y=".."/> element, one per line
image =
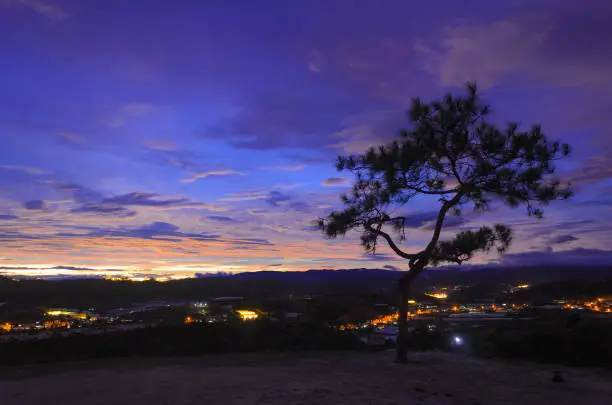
<point x="56" y="323"/>
<point x="385" y="319"/>
<point x="247" y="315"/>
<point x="6" y="327"/>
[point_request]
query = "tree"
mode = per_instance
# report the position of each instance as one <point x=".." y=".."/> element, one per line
<point x="452" y="154"/>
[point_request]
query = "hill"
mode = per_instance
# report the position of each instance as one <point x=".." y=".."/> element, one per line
<point x="304" y="378"/>
<point x="84" y="293"/>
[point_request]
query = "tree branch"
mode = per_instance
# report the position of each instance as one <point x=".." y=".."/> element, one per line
<point x="440" y="222"/>
<point x="390" y="242"/>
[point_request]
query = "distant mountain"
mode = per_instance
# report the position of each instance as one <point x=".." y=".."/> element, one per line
<point x="447" y="276"/>
<point x="85" y="293"/>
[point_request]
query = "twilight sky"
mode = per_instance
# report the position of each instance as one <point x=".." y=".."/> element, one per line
<point x="191" y="136"/>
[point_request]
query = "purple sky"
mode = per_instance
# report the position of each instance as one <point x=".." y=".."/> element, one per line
<point x="190" y="136"/>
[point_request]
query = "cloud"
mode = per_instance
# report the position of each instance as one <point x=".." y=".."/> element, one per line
<point x="361" y="131"/>
<point x="41" y="7"/>
<point x="35" y="205"/>
<point x="273" y="121"/>
<point x="483" y="53"/>
<point x="159" y="230"/>
<point x="420" y="219"/>
<point x="168" y="153"/>
<point x="82" y="194"/>
<point x="299" y="206"/>
<point x="335" y="181"/>
<point x="378" y="257"/>
<point x="77" y="268"/>
<point x="71" y="138"/>
<point x="220" y="218"/>
<point x="203" y="175"/>
<point x="561" y="239"/>
<point x="146" y="199"/>
<point x="540" y="44"/>
<point x="34" y="171"/>
<point x="246" y="195"/>
<point x="450" y="222"/>
<point x="104" y="209"/>
<point x="48" y="268"/>
<point x="161" y="145"/>
<point x="8" y="217"/>
<point x="593" y="170"/>
<point x="93" y="201"/>
<point x="256" y="211"/>
<point x="287" y="168"/>
<point x="579" y="256"/>
<point x="275" y="197"/>
<point x="314" y="67"/>
<point x="128" y="112"/>
<point x="426" y="220"/>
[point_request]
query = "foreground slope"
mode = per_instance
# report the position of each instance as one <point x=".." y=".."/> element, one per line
<point x="312" y="378"/>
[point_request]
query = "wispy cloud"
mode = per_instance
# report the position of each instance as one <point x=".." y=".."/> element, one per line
<point x="25" y="169"/>
<point x="42" y="7"/>
<point x="532" y="43"/>
<point x="287" y="168"/>
<point x="35" y="205"/>
<point x="71" y="138"/>
<point x="161" y="145"/>
<point x="128" y="112"/>
<point x="93" y="201"/>
<point x="562" y="239"/>
<point x="335" y="181"/>
<point x="203" y="175"/>
<point x="220" y="218"/>
<point x="105" y="210"/>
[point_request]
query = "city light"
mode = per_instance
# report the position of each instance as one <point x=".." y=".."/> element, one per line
<point x="438" y="295"/>
<point x="56" y="324"/>
<point x="67" y="313"/>
<point x="247" y="315"/>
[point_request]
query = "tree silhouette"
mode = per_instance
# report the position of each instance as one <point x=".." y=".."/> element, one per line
<point x="453" y="154"/>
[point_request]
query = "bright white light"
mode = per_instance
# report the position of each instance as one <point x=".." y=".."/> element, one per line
<point x="458" y="340"/>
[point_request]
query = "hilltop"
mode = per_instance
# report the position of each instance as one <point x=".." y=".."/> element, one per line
<point x="314" y="378"/>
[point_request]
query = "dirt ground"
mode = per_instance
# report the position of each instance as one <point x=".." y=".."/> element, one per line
<point x="301" y="379"/>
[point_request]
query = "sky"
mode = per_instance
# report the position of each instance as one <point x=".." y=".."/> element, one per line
<point x="183" y="137"/>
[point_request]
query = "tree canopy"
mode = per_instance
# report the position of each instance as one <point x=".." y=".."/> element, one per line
<point x="450" y="151"/>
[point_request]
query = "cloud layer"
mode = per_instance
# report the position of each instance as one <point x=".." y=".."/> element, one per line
<point x="141" y="151"/>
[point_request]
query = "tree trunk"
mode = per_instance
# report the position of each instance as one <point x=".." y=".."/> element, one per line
<point x="402" y="322"/>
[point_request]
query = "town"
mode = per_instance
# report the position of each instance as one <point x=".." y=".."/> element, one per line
<point x="376" y="320"/>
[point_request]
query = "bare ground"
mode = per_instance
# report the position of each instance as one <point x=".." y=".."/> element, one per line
<point x="301" y="379"/>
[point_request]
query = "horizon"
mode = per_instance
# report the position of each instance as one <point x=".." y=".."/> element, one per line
<point x="60" y="273"/>
<point x="201" y="138"/>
